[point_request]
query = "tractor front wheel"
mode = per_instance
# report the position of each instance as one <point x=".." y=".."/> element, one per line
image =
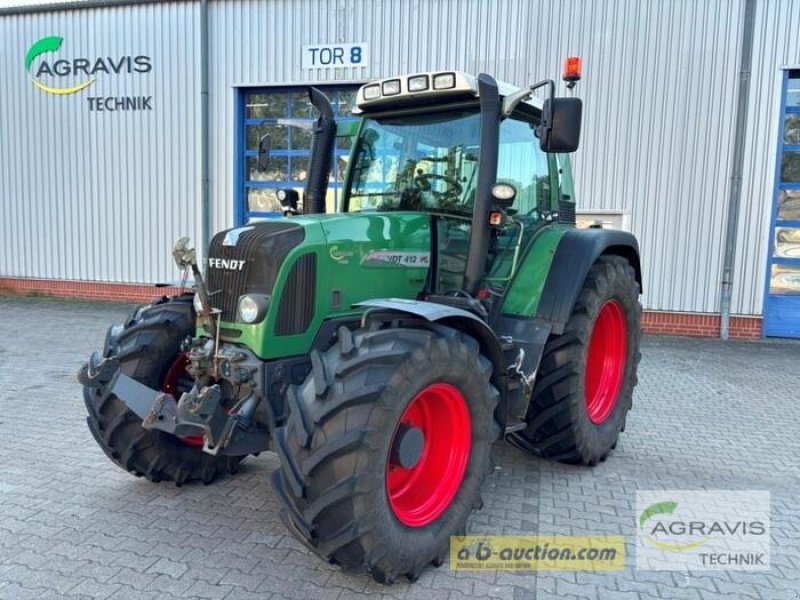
<point x="584" y="387"/>
<point x="386" y="447"/>
<point x="148" y="347"/>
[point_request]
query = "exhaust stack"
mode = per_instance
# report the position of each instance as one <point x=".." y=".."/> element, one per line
<point x="321" y="160"/>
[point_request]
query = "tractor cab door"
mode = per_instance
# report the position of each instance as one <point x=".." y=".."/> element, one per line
<point x="429" y="161"/>
<point x="534" y="174"/>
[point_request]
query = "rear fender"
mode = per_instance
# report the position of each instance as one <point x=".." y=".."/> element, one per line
<point x="577" y="251"/>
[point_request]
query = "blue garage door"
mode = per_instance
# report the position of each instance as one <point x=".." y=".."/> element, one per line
<point x="259" y="112"/>
<point x="782" y="300"/>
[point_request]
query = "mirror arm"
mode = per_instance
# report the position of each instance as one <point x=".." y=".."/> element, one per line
<point x="547" y="114"/>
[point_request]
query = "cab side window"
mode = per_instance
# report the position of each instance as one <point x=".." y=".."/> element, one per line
<point x="523" y="164"/>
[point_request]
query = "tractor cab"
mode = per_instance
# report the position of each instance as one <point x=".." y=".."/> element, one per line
<point x="476" y="154"/>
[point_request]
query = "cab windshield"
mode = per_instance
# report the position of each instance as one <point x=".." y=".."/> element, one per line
<point x="421" y="162"/>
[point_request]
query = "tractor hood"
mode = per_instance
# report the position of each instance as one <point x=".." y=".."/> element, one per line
<point x="310" y="268"/>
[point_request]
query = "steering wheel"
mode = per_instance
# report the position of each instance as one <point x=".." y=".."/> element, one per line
<point x="424" y="180"/>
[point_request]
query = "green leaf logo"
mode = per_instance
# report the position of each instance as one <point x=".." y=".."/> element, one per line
<point x="659" y="508"/>
<point x="50" y="44"/>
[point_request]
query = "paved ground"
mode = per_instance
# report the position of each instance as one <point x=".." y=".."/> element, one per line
<point x="706" y="415"/>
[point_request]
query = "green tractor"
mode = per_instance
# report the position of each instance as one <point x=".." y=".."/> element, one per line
<point x="382" y="350"/>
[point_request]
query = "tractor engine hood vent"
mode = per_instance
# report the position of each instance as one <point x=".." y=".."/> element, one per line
<point x="247" y="260"/>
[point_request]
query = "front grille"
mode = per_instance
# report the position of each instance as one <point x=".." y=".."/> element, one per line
<point x="298" y="297"/>
<point x="263" y="248"/>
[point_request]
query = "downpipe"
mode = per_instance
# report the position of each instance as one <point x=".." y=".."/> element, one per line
<point x="205" y="136"/>
<point x="735" y="196"/>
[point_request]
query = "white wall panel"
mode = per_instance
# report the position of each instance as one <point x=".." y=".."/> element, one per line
<point x="660" y="88"/>
<point x="100" y="195"/>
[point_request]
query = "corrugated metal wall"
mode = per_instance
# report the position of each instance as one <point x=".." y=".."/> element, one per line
<point x="100" y="195"/>
<point x="660" y="87"/>
<point x="776" y="43"/>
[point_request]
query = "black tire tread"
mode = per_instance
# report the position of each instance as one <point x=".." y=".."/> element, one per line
<point x="553" y="430"/>
<point x="144" y="345"/>
<point x="318" y="445"/>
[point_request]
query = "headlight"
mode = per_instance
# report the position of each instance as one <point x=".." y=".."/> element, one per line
<point x="504" y="192"/>
<point x="198" y="305"/>
<point x="253" y="307"/>
<point x="371" y="92"/>
<point x="391" y="87"/>
<point x="418" y="83"/>
<point x="444" y="81"/>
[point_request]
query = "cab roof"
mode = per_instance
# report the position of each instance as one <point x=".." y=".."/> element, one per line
<point x="427" y="87"/>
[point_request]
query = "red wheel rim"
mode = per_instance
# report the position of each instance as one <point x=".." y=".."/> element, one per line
<point x="420" y="494"/>
<point x="176" y="372"/>
<point x="605" y="361"/>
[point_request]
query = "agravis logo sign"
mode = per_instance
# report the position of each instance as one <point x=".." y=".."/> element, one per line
<point x="42" y="46"/>
<point x="659" y="528"/>
<point x="40" y="65"/>
<point x="702" y="529"/>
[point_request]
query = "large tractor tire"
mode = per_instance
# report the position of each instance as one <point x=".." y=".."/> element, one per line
<point x="148" y="346"/>
<point x="387" y="444"/>
<point x="584" y="387"/>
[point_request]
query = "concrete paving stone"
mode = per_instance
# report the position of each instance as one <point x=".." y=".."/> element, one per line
<point x="606" y="594"/>
<point x="267" y="539"/>
<point x="686" y="592"/>
<point x="549" y="596"/>
<point x="94" y="589"/>
<point x="242" y="580"/>
<point x="741" y="590"/>
<point x="201" y="589"/>
<point x="524" y="594"/>
<point x="699" y="582"/>
<point x="14" y="591"/>
<point x="300" y="589"/>
<point x="210" y="575"/>
<point x="169" y="585"/>
<point x="34" y="578"/>
<point x="761" y="580"/>
<point x="447" y="581"/>
<point x="240" y="594"/>
<point x="135" y="579"/>
<point x="567" y="588"/>
<point x="780" y="595"/>
<point x="502" y="590"/>
<point x="134" y="561"/>
<point x="128" y="593"/>
<point x="168" y="567"/>
<point x="73" y="523"/>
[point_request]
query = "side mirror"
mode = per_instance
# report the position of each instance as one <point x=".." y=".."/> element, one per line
<point x="560" y="130"/>
<point x="264" y="148"/>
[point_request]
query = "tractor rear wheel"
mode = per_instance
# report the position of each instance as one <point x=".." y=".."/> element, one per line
<point x="386" y="446"/>
<point x="584" y="387"/>
<point x="148" y="346"/>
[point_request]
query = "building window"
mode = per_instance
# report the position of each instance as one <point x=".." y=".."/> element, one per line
<point x="286" y="115"/>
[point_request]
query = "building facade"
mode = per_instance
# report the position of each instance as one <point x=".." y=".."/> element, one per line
<point x="102" y="114"/>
